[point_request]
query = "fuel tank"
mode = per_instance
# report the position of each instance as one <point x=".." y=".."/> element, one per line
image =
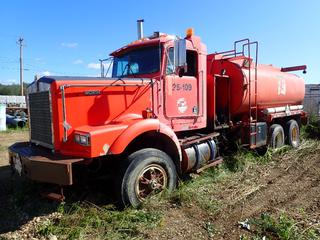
<point x="234" y="80"/>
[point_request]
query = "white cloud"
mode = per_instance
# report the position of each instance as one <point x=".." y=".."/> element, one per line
<point x="77" y="61"/>
<point x="69" y="45"/>
<point x="39" y="60"/>
<point x="94" y="65"/>
<point x="46" y="73"/>
<point x="9" y="81"/>
<point x="107" y="66"/>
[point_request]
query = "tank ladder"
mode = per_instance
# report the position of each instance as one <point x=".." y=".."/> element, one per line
<point x="252" y="83"/>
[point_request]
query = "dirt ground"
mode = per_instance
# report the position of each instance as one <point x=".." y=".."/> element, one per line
<point x="8" y="138"/>
<point x="290" y="184"/>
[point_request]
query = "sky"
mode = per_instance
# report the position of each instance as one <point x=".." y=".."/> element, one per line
<point x="69" y="37"/>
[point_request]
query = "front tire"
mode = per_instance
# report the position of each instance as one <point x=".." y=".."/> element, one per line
<point x="147" y="172"/>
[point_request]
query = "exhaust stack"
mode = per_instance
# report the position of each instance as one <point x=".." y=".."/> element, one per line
<point x="140" y="28"/>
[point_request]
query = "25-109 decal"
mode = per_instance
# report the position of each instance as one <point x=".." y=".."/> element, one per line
<point x="181" y="87"/>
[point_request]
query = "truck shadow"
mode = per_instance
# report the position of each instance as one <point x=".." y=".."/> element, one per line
<point x="21" y="200"/>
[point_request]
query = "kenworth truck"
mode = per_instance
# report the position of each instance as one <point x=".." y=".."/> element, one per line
<point x="164" y="112"/>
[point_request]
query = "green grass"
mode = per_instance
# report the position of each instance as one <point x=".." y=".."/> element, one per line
<point x="201" y="190"/>
<point x="82" y="220"/>
<point x="85" y="220"/>
<point x="312" y="129"/>
<point x="11" y="130"/>
<point x="282" y="228"/>
<point x="3" y="148"/>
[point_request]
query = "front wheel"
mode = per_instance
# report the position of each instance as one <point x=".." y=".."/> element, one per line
<point x="148" y="172"/>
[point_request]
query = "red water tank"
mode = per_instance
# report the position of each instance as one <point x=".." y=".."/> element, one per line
<point x="231" y="80"/>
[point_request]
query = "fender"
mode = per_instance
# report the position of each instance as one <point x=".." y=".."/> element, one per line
<point x="138" y="128"/>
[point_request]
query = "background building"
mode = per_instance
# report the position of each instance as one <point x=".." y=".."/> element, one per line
<point x="311" y="101"/>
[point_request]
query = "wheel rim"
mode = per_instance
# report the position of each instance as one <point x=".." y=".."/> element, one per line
<point x="294" y="136"/>
<point x="278" y="140"/>
<point x="151" y="180"/>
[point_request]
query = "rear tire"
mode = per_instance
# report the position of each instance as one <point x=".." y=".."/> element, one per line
<point x="147" y="172"/>
<point x="293" y="133"/>
<point x="276" y="136"/>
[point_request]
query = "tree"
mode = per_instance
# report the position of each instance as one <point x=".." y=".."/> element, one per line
<point x="13" y="89"/>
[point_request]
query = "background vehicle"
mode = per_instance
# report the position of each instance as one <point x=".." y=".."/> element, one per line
<point x="162" y="114"/>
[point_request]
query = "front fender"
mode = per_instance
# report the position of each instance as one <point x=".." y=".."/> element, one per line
<point x="138" y="128"/>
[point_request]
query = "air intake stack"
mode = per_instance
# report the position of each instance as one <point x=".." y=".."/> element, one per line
<point x="140" y="28"/>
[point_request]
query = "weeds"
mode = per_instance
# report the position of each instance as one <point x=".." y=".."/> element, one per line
<point x="81" y="220"/>
<point x="84" y="220"/>
<point x="210" y="229"/>
<point x="312" y="129"/>
<point x="283" y="228"/>
<point x="244" y="158"/>
<point x="11" y="130"/>
<point x="202" y="190"/>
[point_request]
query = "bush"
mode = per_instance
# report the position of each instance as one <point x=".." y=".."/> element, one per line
<point x="312" y="129"/>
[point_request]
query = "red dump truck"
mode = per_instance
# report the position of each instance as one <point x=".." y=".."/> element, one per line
<point x="164" y="112"/>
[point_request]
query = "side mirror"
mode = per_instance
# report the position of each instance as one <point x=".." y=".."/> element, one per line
<point x="180" y="56"/>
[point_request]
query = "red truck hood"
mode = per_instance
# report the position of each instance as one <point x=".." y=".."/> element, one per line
<point x="94" y="103"/>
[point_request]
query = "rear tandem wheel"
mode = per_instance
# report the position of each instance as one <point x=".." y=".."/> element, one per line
<point x="292" y="133"/>
<point x="276" y="136"/>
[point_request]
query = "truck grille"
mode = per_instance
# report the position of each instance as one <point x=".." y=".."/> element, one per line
<point x="40" y="118"/>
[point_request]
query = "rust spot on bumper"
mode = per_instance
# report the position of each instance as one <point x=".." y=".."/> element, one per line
<point x="39" y="164"/>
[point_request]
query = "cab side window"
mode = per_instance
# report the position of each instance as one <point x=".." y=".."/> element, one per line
<point x="192" y="63"/>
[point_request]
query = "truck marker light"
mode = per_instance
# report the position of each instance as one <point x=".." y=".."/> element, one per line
<point x="82" y="139"/>
<point x="189" y="32"/>
<point x="147" y="113"/>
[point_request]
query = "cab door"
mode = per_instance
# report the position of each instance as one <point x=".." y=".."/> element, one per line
<point x="181" y="93"/>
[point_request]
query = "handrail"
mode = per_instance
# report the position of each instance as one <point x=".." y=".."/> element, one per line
<point x="255" y="107"/>
<point x="236" y="43"/>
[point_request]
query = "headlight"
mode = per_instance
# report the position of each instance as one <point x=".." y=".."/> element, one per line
<point x="82" y="139"/>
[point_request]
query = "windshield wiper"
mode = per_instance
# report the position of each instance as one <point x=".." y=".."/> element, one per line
<point x="128" y="65"/>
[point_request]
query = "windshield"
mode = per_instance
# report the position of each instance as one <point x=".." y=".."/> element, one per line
<point x="139" y="61"/>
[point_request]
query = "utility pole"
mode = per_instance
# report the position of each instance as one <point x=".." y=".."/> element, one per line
<point x="20" y="42"/>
